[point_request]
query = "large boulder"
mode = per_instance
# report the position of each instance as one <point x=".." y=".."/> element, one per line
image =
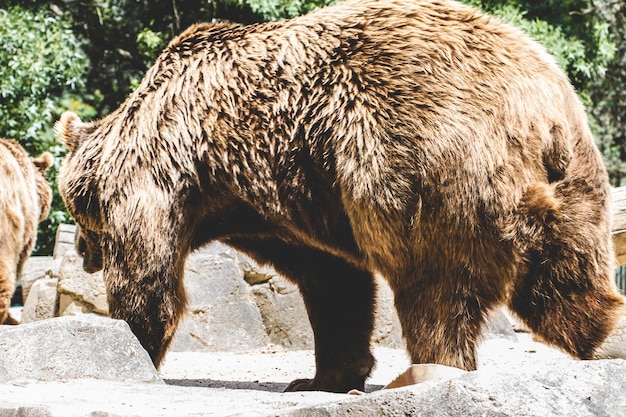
<point x="285" y="317"/>
<point x="64" y="240"/>
<point x="559" y="388"/>
<point x="387" y="329"/>
<point x="87" y="346"/>
<point x="222" y="313"/>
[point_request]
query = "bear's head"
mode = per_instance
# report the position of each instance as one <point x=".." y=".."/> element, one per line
<point x="78" y="188"/>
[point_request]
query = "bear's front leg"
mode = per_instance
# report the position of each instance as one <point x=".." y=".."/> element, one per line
<point x="339" y="299"/>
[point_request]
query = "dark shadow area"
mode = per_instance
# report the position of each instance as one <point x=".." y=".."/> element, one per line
<point x="247" y="385"/>
<point x="211" y="383"/>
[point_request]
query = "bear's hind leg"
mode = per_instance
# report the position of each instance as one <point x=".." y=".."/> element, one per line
<point x="339" y="299"/>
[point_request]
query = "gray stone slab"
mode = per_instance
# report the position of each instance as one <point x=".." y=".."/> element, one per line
<point x="42" y="302"/>
<point x="35" y="267"/>
<point x="81" y="287"/>
<point x="557" y="389"/>
<point x="64" y="240"/>
<point x="86" y="346"/>
<point x="222" y="313"/>
<point x="564" y="388"/>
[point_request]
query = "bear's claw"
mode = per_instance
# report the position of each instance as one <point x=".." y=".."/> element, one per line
<point x="326" y="384"/>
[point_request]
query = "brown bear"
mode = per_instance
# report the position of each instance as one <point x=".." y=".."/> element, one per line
<point x="418" y="139"/>
<point x="25" y="198"/>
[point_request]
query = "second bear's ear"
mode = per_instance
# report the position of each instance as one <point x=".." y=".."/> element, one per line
<point x="70" y="129"/>
<point x="43" y="162"/>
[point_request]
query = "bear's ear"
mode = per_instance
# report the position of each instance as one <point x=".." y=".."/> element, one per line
<point x="69" y="130"/>
<point x="43" y="162"/>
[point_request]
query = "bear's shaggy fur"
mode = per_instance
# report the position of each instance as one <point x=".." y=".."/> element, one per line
<point x="25" y="198"/>
<point x="418" y="139"/>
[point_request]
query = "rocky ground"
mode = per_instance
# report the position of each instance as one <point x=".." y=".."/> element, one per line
<point x="99" y="370"/>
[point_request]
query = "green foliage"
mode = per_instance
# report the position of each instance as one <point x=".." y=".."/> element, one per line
<point x="281" y="9"/>
<point x="42" y="67"/>
<point x="149" y="44"/>
<point x="587" y="39"/>
<point x="40" y="60"/>
<point x="582" y="46"/>
<point x="123" y="37"/>
<point x="609" y="95"/>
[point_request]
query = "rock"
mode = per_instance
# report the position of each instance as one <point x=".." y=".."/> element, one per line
<point x="78" y="287"/>
<point x="68" y="306"/>
<point x="416" y="374"/>
<point x="115" y="399"/>
<point x="387" y="328"/>
<point x="279" y="301"/>
<point x="222" y="313"/>
<point x="254" y="273"/>
<point x="16" y="313"/>
<point x="567" y="388"/>
<point x="42" y="302"/>
<point x="35" y="267"/>
<point x="87" y="346"/>
<point x="559" y="388"/>
<point x="499" y="325"/>
<point x="615" y="344"/>
<point x="516" y="323"/>
<point x="64" y="240"/>
<point x="284" y="315"/>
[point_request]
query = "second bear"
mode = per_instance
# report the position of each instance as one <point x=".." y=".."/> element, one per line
<point x="25" y="199"/>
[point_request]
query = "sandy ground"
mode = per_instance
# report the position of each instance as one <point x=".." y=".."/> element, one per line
<point x="272" y="370"/>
